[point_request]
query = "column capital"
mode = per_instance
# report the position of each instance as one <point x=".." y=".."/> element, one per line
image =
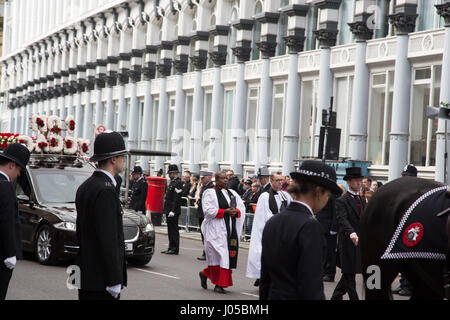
<point x="181" y="64"/>
<point x="444" y="11"/>
<point x="242" y="53"/>
<point x="219" y="58"/>
<point x="164" y="67"/>
<point x="361" y="31"/>
<point x="327" y="38"/>
<point x="403" y="22"/>
<point x="200" y="60"/>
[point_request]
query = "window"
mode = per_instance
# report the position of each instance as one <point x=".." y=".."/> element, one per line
<point x="227" y="124"/>
<point x="345" y="16"/>
<point x="427" y="13"/>
<point x="170" y="124"/>
<point x="342" y="106"/>
<point x="155" y="122"/>
<point x="380" y="115"/>
<point x="307" y="120"/>
<point x="141" y="124"/>
<point x="282" y="32"/>
<point x="256" y="33"/>
<point x="277" y="123"/>
<point x="381" y="20"/>
<point x="232" y="38"/>
<point x="206" y="126"/>
<point x="250" y="133"/>
<point x="311" y="19"/>
<point x="188" y="127"/>
<point x="426" y="92"/>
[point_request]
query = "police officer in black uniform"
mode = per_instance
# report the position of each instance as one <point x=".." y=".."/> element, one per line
<point x="99" y="224"/>
<point x="138" y="191"/>
<point x="172" y="209"/>
<point x="12" y="161"/>
<point x="205" y="177"/>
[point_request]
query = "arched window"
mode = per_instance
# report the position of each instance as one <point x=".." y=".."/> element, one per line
<point x="212" y="22"/>
<point x="194" y="20"/>
<point x="256" y="32"/>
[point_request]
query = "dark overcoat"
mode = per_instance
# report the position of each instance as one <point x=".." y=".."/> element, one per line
<point x="349" y="258"/>
<point x="139" y="195"/>
<point x="10" y="230"/>
<point x="292" y="256"/>
<point x="100" y="234"/>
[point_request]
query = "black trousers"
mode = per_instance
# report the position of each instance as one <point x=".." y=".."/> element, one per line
<point x="95" y="295"/>
<point x="200" y="221"/>
<point x="173" y="232"/>
<point x="5" y="277"/>
<point x="330" y="255"/>
<point x="347" y="284"/>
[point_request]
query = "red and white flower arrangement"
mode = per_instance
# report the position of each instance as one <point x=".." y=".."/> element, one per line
<point x="42" y="145"/>
<point x="26" y="141"/>
<point x="56" y="143"/>
<point x="54" y="124"/>
<point x="39" y="123"/>
<point x="7" y="138"/>
<point x="70" y="124"/>
<point x="70" y="145"/>
<point x="83" y="146"/>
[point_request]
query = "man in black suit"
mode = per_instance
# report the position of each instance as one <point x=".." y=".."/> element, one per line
<point x="172" y="209"/>
<point x="233" y="182"/>
<point x="13" y="160"/>
<point x="328" y="220"/>
<point x="206" y="178"/>
<point x="349" y="209"/>
<point x="138" y="191"/>
<point x="99" y="224"/>
<point x="264" y="181"/>
<point x="293" y="241"/>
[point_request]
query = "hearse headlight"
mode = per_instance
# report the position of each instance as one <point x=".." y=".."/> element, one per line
<point x="66" y="226"/>
<point x="148" y="228"/>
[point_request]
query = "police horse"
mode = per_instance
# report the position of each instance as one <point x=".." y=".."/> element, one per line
<point x="405" y="229"/>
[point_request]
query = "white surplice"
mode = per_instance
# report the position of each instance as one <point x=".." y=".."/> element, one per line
<point x="262" y="215"/>
<point x="214" y="230"/>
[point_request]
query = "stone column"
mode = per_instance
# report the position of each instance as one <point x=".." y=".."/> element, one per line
<point x="326" y="35"/>
<point x="180" y="63"/>
<point x="295" y="42"/>
<point x="267" y="46"/>
<point x="164" y="68"/>
<point x="360" y="99"/>
<point x="444" y="11"/>
<point x="404" y="22"/>
<point x="199" y="61"/>
<point x="218" y="56"/>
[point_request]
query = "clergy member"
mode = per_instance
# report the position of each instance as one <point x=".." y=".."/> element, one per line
<point x="224" y="214"/>
<point x="269" y="203"/>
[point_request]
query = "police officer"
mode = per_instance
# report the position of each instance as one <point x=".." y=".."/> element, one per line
<point x="101" y="257"/>
<point x="12" y="161"/>
<point x="172" y="209"/>
<point x="138" y="191"/>
<point x="206" y="178"/>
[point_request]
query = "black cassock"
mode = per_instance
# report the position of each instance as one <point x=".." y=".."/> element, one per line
<point x="292" y="256"/>
<point x="100" y="234"/>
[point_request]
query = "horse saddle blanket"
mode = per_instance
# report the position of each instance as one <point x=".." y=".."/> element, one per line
<point x="421" y="234"/>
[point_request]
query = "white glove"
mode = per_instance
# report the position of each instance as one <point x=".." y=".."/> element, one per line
<point x="171" y="214"/>
<point x="114" y="290"/>
<point x="10" y="262"/>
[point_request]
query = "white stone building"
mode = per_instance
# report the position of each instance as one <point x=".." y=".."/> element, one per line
<point x="236" y="83"/>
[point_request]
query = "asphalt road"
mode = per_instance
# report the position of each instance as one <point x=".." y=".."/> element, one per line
<point x="164" y="278"/>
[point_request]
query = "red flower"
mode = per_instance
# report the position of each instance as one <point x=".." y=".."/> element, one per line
<point x="84" y="147"/>
<point x="72" y="125"/>
<point x="69" y="144"/>
<point x="40" y="122"/>
<point x="42" y="144"/>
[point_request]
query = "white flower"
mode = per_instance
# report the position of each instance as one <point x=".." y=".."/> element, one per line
<point x="54" y="124"/>
<point x="70" y="123"/>
<point x="70" y="145"/>
<point x="41" y="121"/>
<point x="34" y="125"/>
<point x="56" y="143"/>
<point x="41" y="144"/>
<point x="27" y="142"/>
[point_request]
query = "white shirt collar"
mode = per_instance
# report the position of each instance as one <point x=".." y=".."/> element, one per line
<point x="7" y="177"/>
<point x="353" y="193"/>
<point x="309" y="208"/>
<point x="109" y="175"/>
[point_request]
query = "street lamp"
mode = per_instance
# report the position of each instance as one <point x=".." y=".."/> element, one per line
<point x="441" y="113"/>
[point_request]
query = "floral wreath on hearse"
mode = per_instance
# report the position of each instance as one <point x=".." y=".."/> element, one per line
<point x="49" y="139"/>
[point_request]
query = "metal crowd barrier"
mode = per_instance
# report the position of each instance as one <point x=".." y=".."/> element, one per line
<point x="188" y="221"/>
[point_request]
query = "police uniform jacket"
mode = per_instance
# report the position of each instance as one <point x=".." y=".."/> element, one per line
<point x="139" y="195"/>
<point x="348" y="216"/>
<point x="100" y="234"/>
<point x="292" y="256"/>
<point x="10" y="231"/>
<point x="327" y="216"/>
<point x="172" y="198"/>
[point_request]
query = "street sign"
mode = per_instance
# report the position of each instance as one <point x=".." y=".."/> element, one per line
<point x="101" y="129"/>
